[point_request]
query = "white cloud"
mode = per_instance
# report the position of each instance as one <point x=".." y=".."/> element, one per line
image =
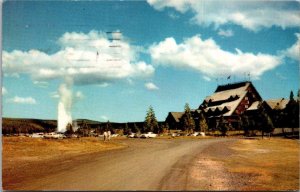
<point x="4" y="91"/>
<point x="54" y="94"/>
<point x="294" y="51"/>
<point x="252" y="15"/>
<point x="151" y="86"/>
<point x="206" y="78"/>
<point x="103" y="84"/>
<point x="104" y="118"/>
<point x="22" y="100"/>
<point x="42" y="84"/>
<point x="280" y="76"/>
<point x="207" y="57"/>
<point x="173" y="15"/>
<point x="225" y="33"/>
<point x="79" y="95"/>
<point x="86" y="58"/>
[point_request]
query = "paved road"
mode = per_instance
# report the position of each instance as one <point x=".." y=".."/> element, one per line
<point x="151" y="164"/>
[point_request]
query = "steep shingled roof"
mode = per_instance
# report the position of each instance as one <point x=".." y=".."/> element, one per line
<point x="254" y="106"/>
<point x="237" y="92"/>
<point x="177" y="115"/>
<point x="277" y="104"/>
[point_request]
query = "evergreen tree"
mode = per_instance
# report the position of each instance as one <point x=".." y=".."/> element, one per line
<point x="292" y="112"/>
<point x="223" y="127"/>
<point x="85" y="128"/>
<point x="188" y="121"/>
<point x="291" y="96"/>
<point x="151" y="123"/>
<point x="108" y="127"/>
<point x="126" y="129"/>
<point x="267" y="124"/>
<point x="135" y="129"/>
<point x="69" y="129"/>
<point x="202" y="123"/>
<point x="167" y="128"/>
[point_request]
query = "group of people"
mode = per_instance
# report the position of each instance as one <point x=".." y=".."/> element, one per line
<point x="107" y="135"/>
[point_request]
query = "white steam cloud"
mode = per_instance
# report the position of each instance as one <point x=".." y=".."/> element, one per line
<point x="64" y="106"/>
<point x="83" y="59"/>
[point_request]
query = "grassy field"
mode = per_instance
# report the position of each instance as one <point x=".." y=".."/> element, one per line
<point x="19" y="150"/>
<point x="274" y="163"/>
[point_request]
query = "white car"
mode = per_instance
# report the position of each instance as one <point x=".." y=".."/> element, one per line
<point x="148" y="135"/>
<point x="131" y="135"/>
<point x="37" y="135"/>
<point x="195" y="134"/>
<point x="54" y="135"/>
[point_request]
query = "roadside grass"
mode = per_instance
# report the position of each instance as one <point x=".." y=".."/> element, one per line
<point x="274" y="163"/>
<point x="26" y="150"/>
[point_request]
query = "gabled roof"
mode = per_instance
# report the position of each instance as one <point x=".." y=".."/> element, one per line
<point x="227" y="93"/>
<point x="277" y="104"/>
<point x="223" y="93"/>
<point x="177" y="115"/>
<point x="231" y="106"/>
<point x="254" y="106"/>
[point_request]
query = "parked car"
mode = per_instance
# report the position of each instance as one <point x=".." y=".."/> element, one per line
<point x="131" y="135"/>
<point x="115" y="135"/>
<point x="195" y="134"/>
<point x="37" y="135"/>
<point x="148" y="135"/>
<point x="202" y="134"/>
<point x="175" y="134"/>
<point x="71" y="136"/>
<point x="54" y="135"/>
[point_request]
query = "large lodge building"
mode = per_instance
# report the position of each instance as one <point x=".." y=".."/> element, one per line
<point x="230" y="102"/>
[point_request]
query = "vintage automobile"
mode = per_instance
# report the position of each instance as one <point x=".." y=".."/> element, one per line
<point x="131" y="135"/>
<point x="37" y="135"/>
<point x="148" y="135"/>
<point x="54" y="135"/>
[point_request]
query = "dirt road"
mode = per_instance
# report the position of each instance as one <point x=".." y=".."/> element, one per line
<point x="152" y="164"/>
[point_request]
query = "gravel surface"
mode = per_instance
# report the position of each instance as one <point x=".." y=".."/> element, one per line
<point x="209" y="173"/>
<point x="146" y="164"/>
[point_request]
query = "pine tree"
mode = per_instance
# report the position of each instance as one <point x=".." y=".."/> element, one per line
<point x="108" y="126"/>
<point x="188" y="121"/>
<point x="266" y="123"/>
<point x="126" y="129"/>
<point x="135" y="129"/>
<point x="150" y="123"/>
<point x="291" y="96"/>
<point x="202" y="123"/>
<point x="69" y="129"/>
<point x="167" y="127"/>
<point x="223" y="127"/>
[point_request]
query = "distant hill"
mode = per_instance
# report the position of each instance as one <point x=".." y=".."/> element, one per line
<point x="22" y="125"/>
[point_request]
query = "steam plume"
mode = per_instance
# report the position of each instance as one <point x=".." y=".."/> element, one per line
<point x="64" y="105"/>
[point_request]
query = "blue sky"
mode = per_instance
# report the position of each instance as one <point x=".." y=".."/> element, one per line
<point x="171" y="53"/>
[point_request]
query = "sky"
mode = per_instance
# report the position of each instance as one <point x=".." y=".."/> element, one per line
<point x="116" y="58"/>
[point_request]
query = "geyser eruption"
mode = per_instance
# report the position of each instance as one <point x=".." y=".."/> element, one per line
<point x="64" y="106"/>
